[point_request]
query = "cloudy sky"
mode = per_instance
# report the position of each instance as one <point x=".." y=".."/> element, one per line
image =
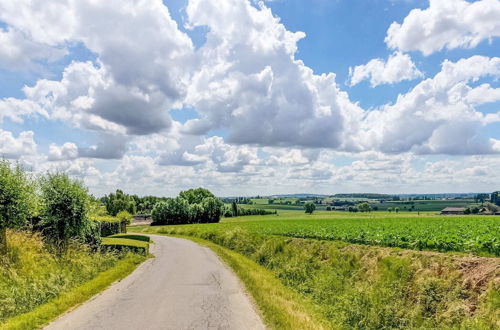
<point x="254" y="97"/>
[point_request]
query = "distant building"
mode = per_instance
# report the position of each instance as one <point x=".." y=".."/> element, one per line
<point x="497" y="213"/>
<point x="453" y="210"/>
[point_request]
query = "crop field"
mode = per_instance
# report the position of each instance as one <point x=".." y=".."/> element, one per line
<point x="475" y="234"/>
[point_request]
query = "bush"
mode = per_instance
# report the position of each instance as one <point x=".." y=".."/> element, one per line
<point x="17" y="199"/>
<point x="110" y="225"/>
<point x="125" y="217"/>
<point x="125" y="244"/>
<point x="171" y="212"/>
<point x="65" y="207"/>
<point x="309" y="207"/>
<point x="179" y="210"/>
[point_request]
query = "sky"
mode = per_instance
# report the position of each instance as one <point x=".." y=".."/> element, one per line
<point x="251" y="97"/>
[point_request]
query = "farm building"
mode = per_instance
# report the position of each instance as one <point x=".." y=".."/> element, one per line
<point x="453" y="210"/>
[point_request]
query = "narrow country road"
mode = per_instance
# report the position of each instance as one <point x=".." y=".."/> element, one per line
<point x="185" y="286"/>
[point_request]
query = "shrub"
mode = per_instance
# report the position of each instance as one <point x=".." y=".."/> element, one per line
<point x="309" y="207"/>
<point x="109" y="225"/>
<point x="125" y="217"/>
<point x="212" y="209"/>
<point x="65" y="206"/>
<point x="195" y="196"/>
<point x="17" y="199"/>
<point x="171" y="212"/>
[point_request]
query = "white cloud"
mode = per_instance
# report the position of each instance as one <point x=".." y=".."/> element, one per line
<point x="398" y="67"/>
<point x="20" y="53"/>
<point x="142" y="68"/>
<point x="436" y="116"/>
<point x="12" y="147"/>
<point x="16" y="109"/>
<point x="250" y="83"/>
<point x="67" y="151"/>
<point x="446" y="24"/>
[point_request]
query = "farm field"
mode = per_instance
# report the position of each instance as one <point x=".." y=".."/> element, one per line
<point x="373" y="284"/>
<point x="475" y="234"/>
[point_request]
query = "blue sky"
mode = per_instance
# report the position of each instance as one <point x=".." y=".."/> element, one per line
<point x="153" y="98"/>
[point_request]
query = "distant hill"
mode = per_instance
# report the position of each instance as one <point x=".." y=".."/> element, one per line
<point x="302" y="195"/>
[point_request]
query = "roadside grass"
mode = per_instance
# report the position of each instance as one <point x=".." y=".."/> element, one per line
<point x="357" y="286"/>
<point x="45" y="313"/>
<point x="280" y="307"/>
<point x="124" y="244"/>
<point x="37" y="283"/>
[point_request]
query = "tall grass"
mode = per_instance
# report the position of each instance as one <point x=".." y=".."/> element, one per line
<point x="368" y="287"/>
<point x="32" y="273"/>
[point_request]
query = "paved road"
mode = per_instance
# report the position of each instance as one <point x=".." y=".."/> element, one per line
<point x="185" y="287"/>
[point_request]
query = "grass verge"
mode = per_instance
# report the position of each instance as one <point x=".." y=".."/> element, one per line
<point x="43" y="314"/>
<point x="280" y="307"/>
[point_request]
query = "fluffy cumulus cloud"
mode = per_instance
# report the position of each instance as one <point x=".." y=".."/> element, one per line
<point x="251" y="84"/>
<point x="12" y="147"/>
<point x="398" y="67"/>
<point x="446" y="24"/>
<point x="141" y="69"/>
<point x="438" y="115"/>
<point x="284" y="127"/>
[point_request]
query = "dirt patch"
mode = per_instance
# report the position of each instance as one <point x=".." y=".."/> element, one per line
<point x="477" y="272"/>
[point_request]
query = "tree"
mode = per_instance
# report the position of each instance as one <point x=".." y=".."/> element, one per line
<point x="197" y="195"/>
<point x="17" y="199"/>
<point x="481" y="198"/>
<point x="495" y="198"/>
<point x="309" y="207"/>
<point x="212" y="209"/>
<point x="364" y="207"/>
<point x="171" y="212"/>
<point x="65" y="208"/>
<point x="234" y="208"/>
<point x="118" y="202"/>
<point x="124" y="216"/>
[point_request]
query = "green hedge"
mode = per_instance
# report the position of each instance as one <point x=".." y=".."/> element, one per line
<point x="133" y="236"/>
<point x="111" y="225"/>
<point x="122" y="244"/>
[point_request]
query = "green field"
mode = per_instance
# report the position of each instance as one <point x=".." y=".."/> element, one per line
<point x="368" y="285"/>
<point x="427" y="231"/>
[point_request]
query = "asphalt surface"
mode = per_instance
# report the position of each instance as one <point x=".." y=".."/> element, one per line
<point x="185" y="286"/>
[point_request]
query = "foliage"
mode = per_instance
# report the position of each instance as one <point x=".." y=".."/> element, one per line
<point x="118" y="202"/>
<point x="495" y="197"/>
<point x="125" y="244"/>
<point x="124" y="216"/>
<point x="195" y="196"/>
<point x="364" y="207"/>
<point x="309" y="207"/>
<point x="17" y="199"/>
<point x="212" y="210"/>
<point x="32" y="273"/>
<point x="65" y="207"/>
<point x="110" y="225"/>
<point x="179" y="210"/>
<point x="249" y="211"/>
<point x="172" y="211"/>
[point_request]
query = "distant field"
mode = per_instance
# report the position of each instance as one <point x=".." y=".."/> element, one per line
<point x="427" y="231"/>
<point x="419" y="205"/>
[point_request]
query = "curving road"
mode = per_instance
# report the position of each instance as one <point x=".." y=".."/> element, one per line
<point x="185" y="286"/>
